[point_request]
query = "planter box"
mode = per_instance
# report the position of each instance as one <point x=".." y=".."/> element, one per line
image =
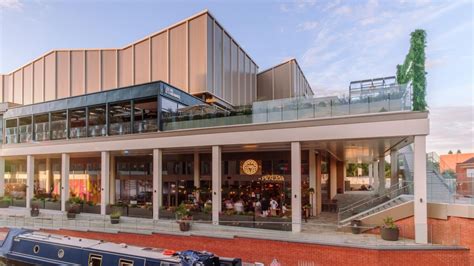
<point x="200" y="216"/>
<point x="19" y="202"/>
<point x="140" y="212"/>
<point x="273" y="223"/>
<point x="78" y="210"/>
<point x="165" y="214"/>
<point x="5" y="204"/>
<point x="39" y="203"/>
<point x="86" y="208"/>
<point x="390" y="234"/>
<point x="53" y="205"/>
<point x="111" y="208"/>
<point x="237" y="220"/>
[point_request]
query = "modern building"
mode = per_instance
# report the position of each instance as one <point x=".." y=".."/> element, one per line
<point x="184" y="116"/>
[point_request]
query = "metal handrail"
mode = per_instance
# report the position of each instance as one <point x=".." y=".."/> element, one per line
<point x="373" y="200"/>
<point x="391" y="188"/>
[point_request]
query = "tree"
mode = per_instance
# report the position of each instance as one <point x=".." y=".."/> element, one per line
<point x="458" y="152"/>
<point x="450" y="152"/>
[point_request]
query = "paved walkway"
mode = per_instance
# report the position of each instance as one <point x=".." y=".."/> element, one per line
<point x="313" y="232"/>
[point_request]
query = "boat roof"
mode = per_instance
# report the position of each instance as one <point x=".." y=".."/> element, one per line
<point x="99" y="245"/>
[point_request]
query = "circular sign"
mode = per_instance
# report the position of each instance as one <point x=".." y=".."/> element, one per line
<point x="250" y="167"/>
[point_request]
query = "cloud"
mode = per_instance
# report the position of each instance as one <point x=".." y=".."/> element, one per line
<point x="452" y="128"/>
<point x="306" y="26"/>
<point x="10" y="4"/>
<point x="343" y="10"/>
<point x="296" y="5"/>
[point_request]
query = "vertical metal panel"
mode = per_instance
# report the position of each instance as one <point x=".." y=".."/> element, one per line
<point x="92" y="71"/>
<point x="217" y="60"/>
<point x="197" y="55"/>
<point x="210" y="54"/>
<point x="234" y="72"/>
<point x="282" y="80"/>
<point x="248" y="89"/>
<point x="38" y="82"/>
<point x="265" y="86"/>
<point x="63" y="71"/>
<point x="159" y="61"/>
<point x="178" y="56"/>
<point x="77" y="73"/>
<point x="242" y="88"/>
<point x="142" y="62"/>
<point x="125" y="67"/>
<point x="18" y="86"/>
<point x="227" y="92"/>
<point x="8" y="88"/>
<point x="50" y="77"/>
<point x="28" y="84"/>
<point x="109" y="69"/>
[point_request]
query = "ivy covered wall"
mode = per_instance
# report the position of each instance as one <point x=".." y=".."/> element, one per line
<point x="413" y="69"/>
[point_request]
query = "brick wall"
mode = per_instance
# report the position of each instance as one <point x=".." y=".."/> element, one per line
<point x="288" y="253"/>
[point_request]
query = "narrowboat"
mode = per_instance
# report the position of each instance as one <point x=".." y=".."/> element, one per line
<point x="40" y="248"/>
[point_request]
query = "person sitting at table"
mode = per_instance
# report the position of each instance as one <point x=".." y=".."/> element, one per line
<point x="239" y="206"/>
<point x="258" y="208"/>
<point x="229" y="205"/>
<point x="273" y="207"/>
<point x="265" y="206"/>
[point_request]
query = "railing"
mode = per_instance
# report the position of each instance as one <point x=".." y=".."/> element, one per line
<point x="359" y="208"/>
<point x="395" y="98"/>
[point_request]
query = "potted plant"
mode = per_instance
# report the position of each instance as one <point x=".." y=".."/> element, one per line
<point x="183" y="217"/>
<point x="115" y="217"/>
<point x="34" y="210"/>
<point x="307" y="210"/>
<point x="72" y="211"/>
<point x="5" y="202"/>
<point x="355" y="226"/>
<point x="389" y="230"/>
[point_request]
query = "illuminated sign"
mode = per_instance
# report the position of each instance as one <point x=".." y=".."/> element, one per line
<point x="272" y="178"/>
<point x="170" y="91"/>
<point x="250" y="167"/>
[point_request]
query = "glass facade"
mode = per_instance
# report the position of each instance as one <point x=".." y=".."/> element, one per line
<point x="115" y="112"/>
<point x="47" y="184"/>
<point x="15" y="182"/>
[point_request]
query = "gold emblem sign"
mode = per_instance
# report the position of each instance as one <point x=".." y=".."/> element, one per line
<point x="250" y="167"/>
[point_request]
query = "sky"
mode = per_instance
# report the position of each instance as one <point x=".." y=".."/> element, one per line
<point x="335" y="42"/>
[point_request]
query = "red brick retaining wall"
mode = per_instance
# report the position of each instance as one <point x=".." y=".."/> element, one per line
<point x="288" y="253"/>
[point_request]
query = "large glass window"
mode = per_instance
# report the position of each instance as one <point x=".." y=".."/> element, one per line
<point x="26" y="130"/>
<point x="47" y="183"/>
<point x="134" y="182"/>
<point x="15" y="182"/>
<point x="120" y="118"/>
<point x="59" y="125"/>
<point x="41" y="123"/>
<point x="97" y="121"/>
<point x="77" y="122"/>
<point x="11" y="131"/>
<point x="84" y="179"/>
<point x="145" y="115"/>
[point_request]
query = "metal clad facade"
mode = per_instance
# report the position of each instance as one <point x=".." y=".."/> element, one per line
<point x="196" y="55"/>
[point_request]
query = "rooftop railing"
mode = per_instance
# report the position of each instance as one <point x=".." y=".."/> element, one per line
<point x="387" y="99"/>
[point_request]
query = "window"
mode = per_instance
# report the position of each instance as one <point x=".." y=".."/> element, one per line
<point x="11" y="131"/>
<point x="145" y="115"/>
<point x="95" y="260"/>
<point x="168" y="106"/>
<point x="77" y="122"/>
<point x="41" y="123"/>
<point x="59" y="125"/>
<point x="97" y="121"/>
<point x="26" y="130"/>
<point x="123" y="262"/>
<point x="120" y="118"/>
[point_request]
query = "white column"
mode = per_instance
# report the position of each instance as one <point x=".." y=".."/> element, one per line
<point x="371" y="174"/>
<point x="216" y="183"/>
<point x="296" y="187"/>
<point x="30" y="179"/>
<point x="104" y="181"/>
<point x="196" y="173"/>
<point x="157" y="182"/>
<point x="420" y="199"/>
<point x="376" y="183"/>
<point x="312" y="180"/>
<point x="393" y="167"/>
<point x="332" y="177"/>
<point x="112" y="180"/>
<point x="2" y="176"/>
<point x="64" y="180"/>
<point x="381" y="177"/>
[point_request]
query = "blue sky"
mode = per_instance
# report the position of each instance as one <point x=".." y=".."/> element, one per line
<point x="334" y="41"/>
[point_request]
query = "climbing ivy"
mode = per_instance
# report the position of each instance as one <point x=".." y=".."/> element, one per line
<point x="413" y="69"/>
